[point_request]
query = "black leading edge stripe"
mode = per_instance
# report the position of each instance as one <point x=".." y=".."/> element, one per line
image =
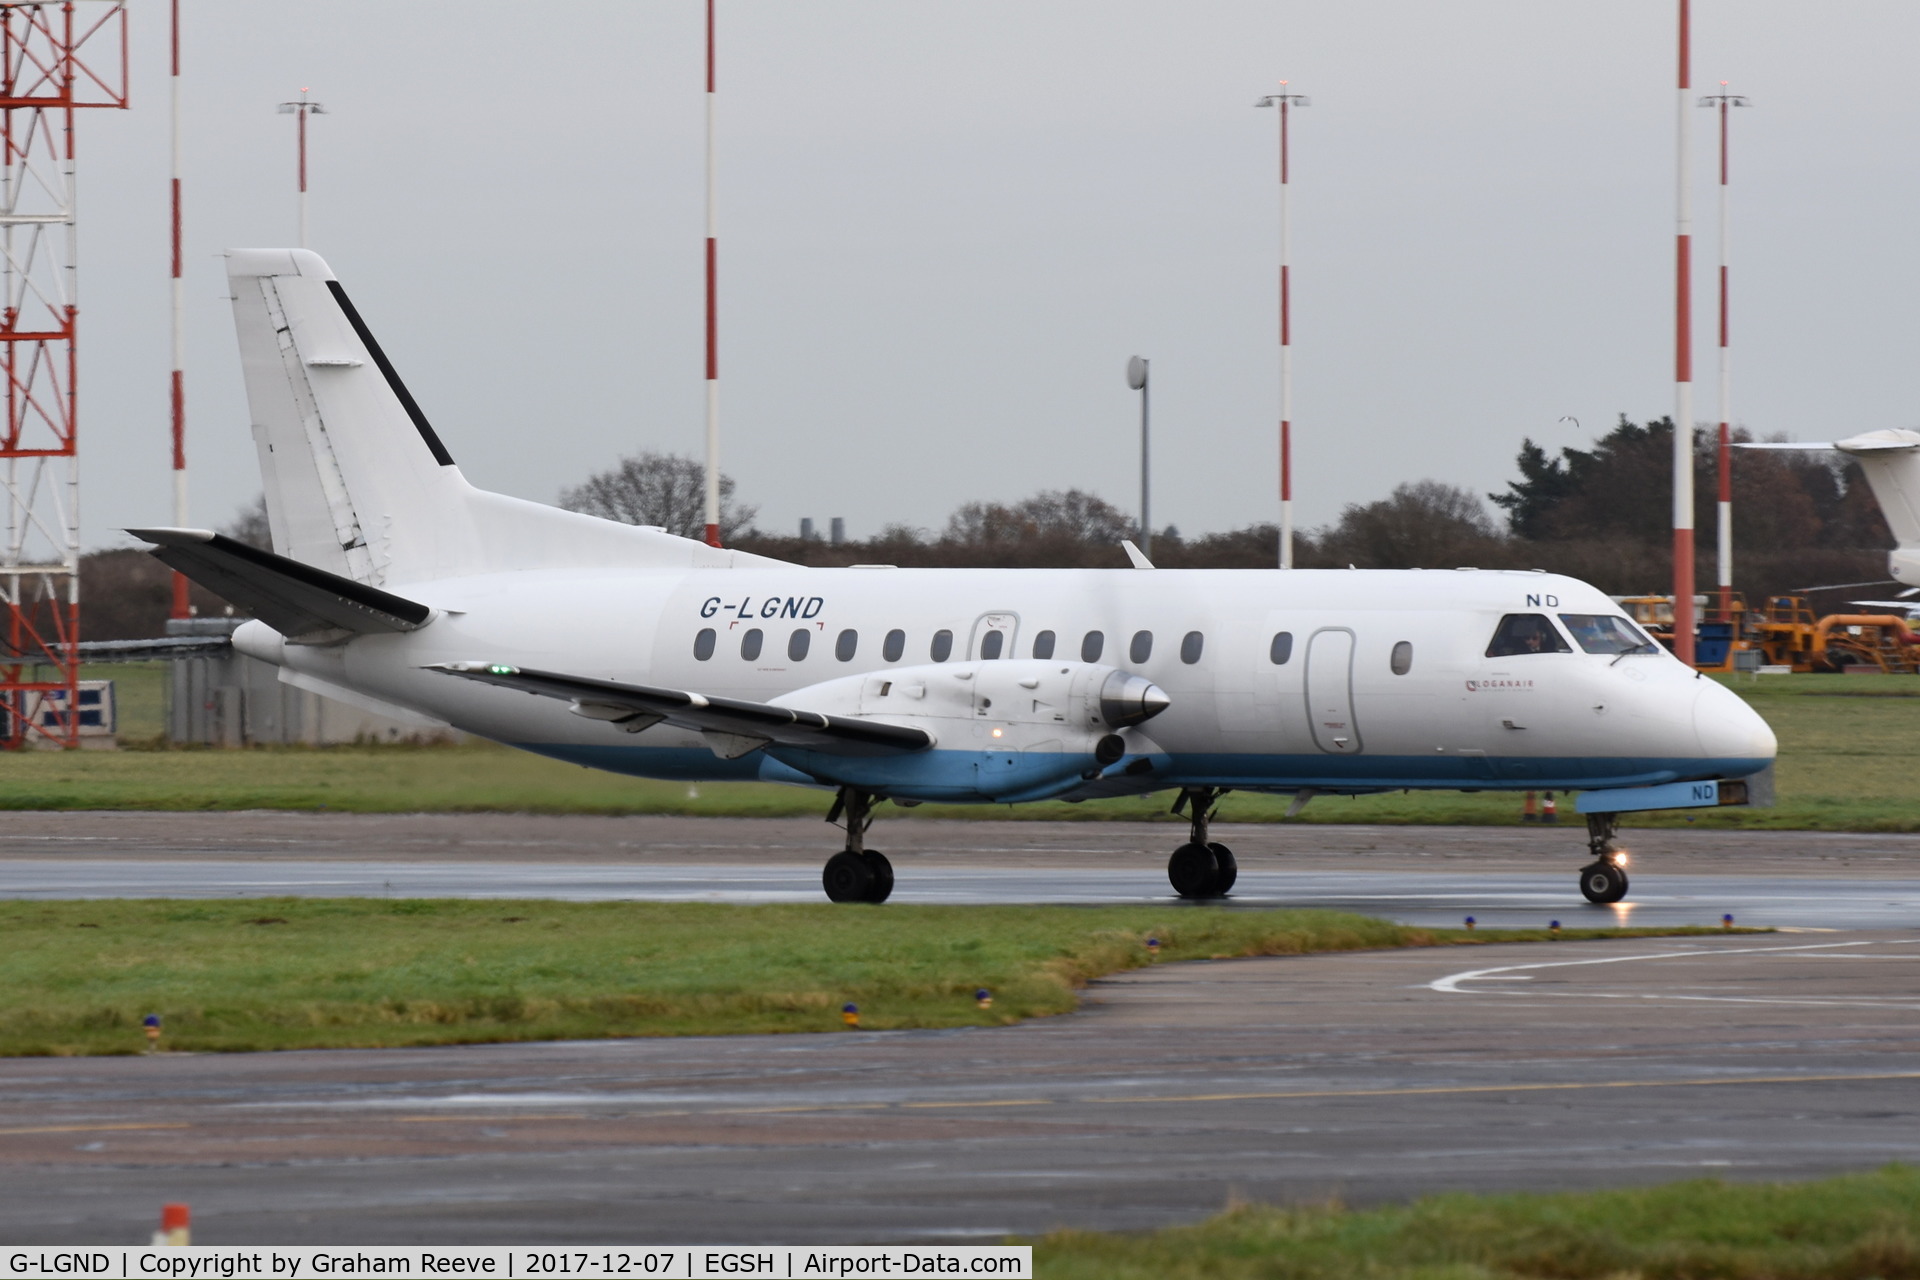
<point x="420" y="423"/>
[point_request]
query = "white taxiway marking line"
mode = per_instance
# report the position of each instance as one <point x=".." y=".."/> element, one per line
<point x="1450" y="985"/>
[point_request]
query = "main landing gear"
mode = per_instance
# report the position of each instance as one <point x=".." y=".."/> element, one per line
<point x="1199" y="868"/>
<point x="1603" y="880"/>
<point x="856" y="873"/>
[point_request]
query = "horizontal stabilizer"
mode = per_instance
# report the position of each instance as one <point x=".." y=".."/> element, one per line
<point x="733" y="727"/>
<point x="297" y="600"/>
<point x="165" y="649"/>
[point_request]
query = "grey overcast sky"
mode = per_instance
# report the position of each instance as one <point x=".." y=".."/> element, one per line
<point x="945" y="226"/>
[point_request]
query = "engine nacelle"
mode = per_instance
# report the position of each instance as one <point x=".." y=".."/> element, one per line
<point x="1005" y="730"/>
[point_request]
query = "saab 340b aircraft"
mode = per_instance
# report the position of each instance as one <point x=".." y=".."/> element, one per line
<point x="394" y="584"/>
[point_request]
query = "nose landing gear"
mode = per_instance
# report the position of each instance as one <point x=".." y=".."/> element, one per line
<point x="1603" y="880"/>
<point x="856" y="873"/>
<point x="1200" y="868"/>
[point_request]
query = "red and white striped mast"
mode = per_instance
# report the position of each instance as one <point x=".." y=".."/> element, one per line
<point x="177" y="391"/>
<point x="1723" y="101"/>
<point x="302" y="109"/>
<point x="1286" y="102"/>
<point x="713" y="316"/>
<point x="1683" y="620"/>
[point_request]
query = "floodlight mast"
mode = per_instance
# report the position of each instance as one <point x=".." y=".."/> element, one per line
<point x="302" y="109"/>
<point x="1723" y="101"/>
<point x="61" y="58"/>
<point x="1286" y="102"/>
<point x="1683" y="618"/>
<point x="713" y="317"/>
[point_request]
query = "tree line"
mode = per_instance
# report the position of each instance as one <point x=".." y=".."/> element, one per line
<point x="1601" y="514"/>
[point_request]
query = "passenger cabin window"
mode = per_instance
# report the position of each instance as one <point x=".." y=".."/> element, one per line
<point x="703" y="644"/>
<point x="942" y="646"/>
<point x="1605" y="633"/>
<point x="750" y="644"/>
<point x="1043" y="645"/>
<point x="1281" y="649"/>
<point x="1091" y="646"/>
<point x="797" y="644"/>
<point x="843" y="647"/>
<point x="1402" y="659"/>
<point x="1142" y="647"/>
<point x="991" y="644"/>
<point x="1523" y="633"/>
<point x="894" y="645"/>
<point x="1190" y="646"/>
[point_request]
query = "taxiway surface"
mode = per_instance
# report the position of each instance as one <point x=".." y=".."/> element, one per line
<point x="1511" y="876"/>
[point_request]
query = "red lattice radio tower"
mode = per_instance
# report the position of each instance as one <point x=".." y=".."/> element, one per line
<point x="57" y="58"/>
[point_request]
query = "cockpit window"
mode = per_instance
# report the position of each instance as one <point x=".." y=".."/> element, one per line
<point x="1526" y="633"/>
<point x="1606" y="633"/>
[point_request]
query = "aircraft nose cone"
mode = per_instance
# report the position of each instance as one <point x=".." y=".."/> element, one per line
<point x="1128" y="699"/>
<point x="1729" y="729"/>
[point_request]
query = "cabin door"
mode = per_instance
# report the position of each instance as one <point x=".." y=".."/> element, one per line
<point x="1330" y="691"/>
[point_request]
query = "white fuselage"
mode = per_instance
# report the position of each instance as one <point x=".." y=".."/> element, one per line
<point x="1342" y="712"/>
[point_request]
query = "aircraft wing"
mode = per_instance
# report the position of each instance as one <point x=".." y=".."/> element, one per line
<point x="295" y="599"/>
<point x="732" y="726"/>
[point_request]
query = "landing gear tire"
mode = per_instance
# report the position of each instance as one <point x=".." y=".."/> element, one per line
<point x="882" y="887"/>
<point x="1603" y="883"/>
<point x="849" y="877"/>
<point x="1228" y="870"/>
<point x="1194" y="870"/>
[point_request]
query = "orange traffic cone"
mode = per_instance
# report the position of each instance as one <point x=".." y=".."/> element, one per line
<point x="176" y="1222"/>
<point x="1549" y="811"/>
<point x="1528" y="813"/>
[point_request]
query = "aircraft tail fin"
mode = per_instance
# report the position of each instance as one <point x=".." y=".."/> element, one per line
<point x="1891" y="463"/>
<point x="358" y="482"/>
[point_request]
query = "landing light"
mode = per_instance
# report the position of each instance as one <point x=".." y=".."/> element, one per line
<point x="996" y="733"/>
<point x="1622" y="858"/>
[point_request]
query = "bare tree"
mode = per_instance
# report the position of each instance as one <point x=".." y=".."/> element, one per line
<point x="661" y="489"/>
<point x="1426" y="525"/>
<point x="249" y="525"/>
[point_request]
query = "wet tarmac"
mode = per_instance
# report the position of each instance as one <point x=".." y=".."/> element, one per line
<point x="1514" y="876"/>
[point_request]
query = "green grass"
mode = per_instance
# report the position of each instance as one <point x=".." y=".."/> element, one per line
<point x="284" y="973"/>
<point x="1863" y="1225"/>
<point x="1850" y="760"/>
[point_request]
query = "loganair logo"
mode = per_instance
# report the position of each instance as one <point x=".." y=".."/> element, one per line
<point x="771" y="607"/>
<point x="1499" y="684"/>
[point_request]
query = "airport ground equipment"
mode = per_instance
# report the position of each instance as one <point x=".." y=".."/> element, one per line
<point x="395" y="582"/>
<point x="1786" y="632"/>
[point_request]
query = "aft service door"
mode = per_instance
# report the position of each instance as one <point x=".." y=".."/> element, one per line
<point x="1330" y="692"/>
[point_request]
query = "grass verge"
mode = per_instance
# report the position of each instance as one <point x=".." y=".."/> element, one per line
<point x="293" y="973"/>
<point x="1849" y="761"/>
<point x="1862" y="1225"/>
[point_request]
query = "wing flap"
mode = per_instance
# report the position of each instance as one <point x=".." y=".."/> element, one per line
<point x="297" y="600"/>
<point x="729" y="724"/>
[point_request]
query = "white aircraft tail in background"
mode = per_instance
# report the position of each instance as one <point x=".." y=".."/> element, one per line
<point x="1891" y="461"/>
